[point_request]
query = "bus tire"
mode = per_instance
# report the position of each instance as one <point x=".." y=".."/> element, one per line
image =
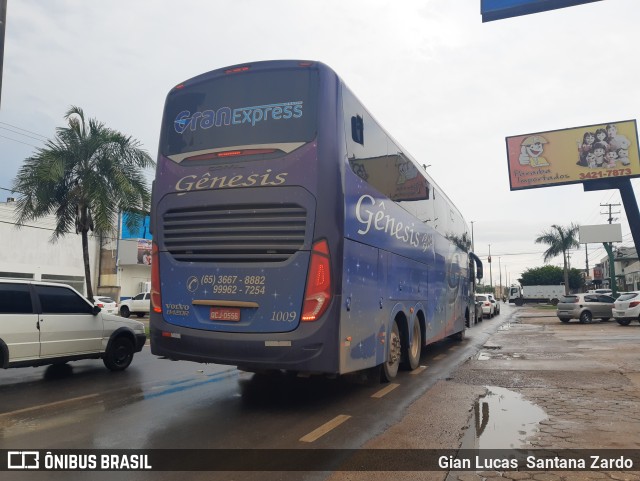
<point x="458" y="336"/>
<point x="394" y="352"/>
<point x="411" y="351"/>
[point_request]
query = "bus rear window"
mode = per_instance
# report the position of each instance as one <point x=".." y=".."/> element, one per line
<point x="263" y="108"/>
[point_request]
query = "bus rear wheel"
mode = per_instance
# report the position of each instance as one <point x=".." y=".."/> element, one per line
<point x="394" y="352"/>
<point x="411" y="351"/>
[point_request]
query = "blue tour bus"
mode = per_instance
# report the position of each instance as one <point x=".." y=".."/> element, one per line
<point x="291" y="232"/>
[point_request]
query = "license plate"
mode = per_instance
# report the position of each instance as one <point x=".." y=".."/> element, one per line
<point x="225" y="314"/>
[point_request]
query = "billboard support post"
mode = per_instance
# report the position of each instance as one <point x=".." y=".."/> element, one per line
<point x="631" y="208"/>
<point x="613" y="284"/>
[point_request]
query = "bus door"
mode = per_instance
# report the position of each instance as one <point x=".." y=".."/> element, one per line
<point x="362" y="317"/>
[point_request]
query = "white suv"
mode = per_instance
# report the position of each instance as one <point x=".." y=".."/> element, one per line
<point x="46" y="323"/>
<point x="139" y="305"/>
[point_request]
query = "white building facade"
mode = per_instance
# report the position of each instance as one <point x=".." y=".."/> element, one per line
<point x="119" y="268"/>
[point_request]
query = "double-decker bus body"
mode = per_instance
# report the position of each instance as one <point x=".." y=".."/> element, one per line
<point x="291" y="232"/>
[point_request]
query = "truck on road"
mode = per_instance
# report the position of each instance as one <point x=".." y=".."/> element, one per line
<point x="529" y="294"/>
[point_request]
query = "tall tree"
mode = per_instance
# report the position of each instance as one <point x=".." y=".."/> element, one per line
<point x="85" y="176"/>
<point x="560" y="239"/>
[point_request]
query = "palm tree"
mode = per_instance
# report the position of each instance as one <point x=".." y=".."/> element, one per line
<point x="560" y="239"/>
<point x="85" y="176"/>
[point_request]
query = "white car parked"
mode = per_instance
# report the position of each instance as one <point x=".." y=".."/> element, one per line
<point x="627" y="308"/>
<point x="46" y="323"/>
<point x="488" y="309"/>
<point x="107" y="304"/>
<point x="496" y="304"/>
<point x="139" y="305"/>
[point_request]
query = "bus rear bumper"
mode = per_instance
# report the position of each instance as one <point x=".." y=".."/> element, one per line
<point x="301" y="350"/>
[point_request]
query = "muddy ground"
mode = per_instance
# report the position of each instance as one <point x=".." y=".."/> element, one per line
<point x="537" y="383"/>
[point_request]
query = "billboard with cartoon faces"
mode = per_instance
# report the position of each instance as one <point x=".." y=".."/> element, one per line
<point x="576" y="155"/>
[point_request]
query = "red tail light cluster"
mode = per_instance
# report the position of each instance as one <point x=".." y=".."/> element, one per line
<point x="634" y="304"/>
<point x="156" y="300"/>
<point x="318" y="293"/>
<point x="236" y="70"/>
<point x="228" y="153"/>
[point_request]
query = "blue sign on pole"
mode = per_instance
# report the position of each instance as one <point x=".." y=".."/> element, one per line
<point x="500" y="9"/>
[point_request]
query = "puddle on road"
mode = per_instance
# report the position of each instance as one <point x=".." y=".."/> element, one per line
<point x="502" y="419"/>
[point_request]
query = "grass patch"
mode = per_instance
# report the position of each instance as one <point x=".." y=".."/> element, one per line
<point x="545" y="307"/>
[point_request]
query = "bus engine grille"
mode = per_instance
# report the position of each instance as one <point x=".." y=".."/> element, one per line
<point x="235" y="233"/>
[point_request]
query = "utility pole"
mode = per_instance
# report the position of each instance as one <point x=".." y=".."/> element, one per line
<point x="500" y="293"/>
<point x="611" y="206"/>
<point x="586" y="260"/>
<point x="608" y="246"/>
<point x="490" y="273"/>
<point x="3" y="28"/>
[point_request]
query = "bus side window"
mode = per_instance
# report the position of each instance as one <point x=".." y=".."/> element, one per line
<point x="357" y="129"/>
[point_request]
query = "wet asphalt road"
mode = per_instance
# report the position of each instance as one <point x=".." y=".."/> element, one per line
<point x="158" y="403"/>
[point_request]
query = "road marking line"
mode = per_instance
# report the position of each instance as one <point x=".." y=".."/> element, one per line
<point x="439" y="356"/>
<point x="385" y="391"/>
<point x="324" y="429"/>
<point x="419" y="370"/>
<point x="49" y="405"/>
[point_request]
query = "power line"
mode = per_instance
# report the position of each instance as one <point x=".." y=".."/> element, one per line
<point x="20" y="128"/>
<point x="19" y="141"/>
<point x="25" y="135"/>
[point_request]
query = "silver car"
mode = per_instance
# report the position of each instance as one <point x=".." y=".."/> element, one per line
<point x="585" y="307"/>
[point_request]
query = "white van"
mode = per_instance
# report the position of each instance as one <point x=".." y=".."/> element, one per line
<point x="47" y="323"/>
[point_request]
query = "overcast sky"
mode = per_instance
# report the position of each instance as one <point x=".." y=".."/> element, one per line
<point x="448" y="87"/>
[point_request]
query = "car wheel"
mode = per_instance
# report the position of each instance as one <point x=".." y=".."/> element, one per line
<point x="411" y="351"/>
<point x="586" y="317"/>
<point x="624" y="322"/>
<point x="140" y="314"/>
<point x="124" y="311"/>
<point x="119" y="354"/>
<point x="562" y="319"/>
<point x="390" y="366"/>
<point x="604" y="319"/>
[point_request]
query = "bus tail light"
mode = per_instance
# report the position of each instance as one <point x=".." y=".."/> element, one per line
<point x="228" y="153"/>
<point x="156" y="301"/>
<point x="237" y="69"/>
<point x="318" y="292"/>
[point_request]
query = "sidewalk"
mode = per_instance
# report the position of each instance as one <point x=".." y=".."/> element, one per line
<point x="536" y="384"/>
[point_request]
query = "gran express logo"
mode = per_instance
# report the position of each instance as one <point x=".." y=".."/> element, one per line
<point x="225" y="116"/>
